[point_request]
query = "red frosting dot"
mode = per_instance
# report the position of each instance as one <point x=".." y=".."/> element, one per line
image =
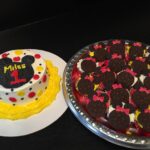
<point x="4" y="55"/>
<point x="31" y="94"/>
<point x="36" y="77"/>
<point x="44" y="78"/>
<point x="37" y="56"/>
<point x="12" y="99"/>
<point x="16" y="58"/>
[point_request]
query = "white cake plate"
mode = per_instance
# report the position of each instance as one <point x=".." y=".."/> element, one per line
<point x="46" y="117"/>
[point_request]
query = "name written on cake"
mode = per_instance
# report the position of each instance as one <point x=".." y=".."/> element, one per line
<point x="14" y="67"/>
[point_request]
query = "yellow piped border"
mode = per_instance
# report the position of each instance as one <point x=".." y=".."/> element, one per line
<point x="8" y="111"/>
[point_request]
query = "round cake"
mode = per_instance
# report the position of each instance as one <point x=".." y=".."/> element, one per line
<point x="111" y="82"/>
<point x="23" y="75"/>
<point x="25" y="83"/>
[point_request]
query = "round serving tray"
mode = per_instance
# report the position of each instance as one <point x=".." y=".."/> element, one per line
<point x="100" y="130"/>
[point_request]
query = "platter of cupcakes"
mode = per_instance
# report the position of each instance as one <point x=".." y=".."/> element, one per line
<point x="31" y="96"/>
<point x="107" y="87"/>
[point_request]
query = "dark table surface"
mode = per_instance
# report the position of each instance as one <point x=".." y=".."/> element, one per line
<point x="64" y="35"/>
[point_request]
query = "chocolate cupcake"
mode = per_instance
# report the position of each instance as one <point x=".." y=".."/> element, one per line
<point x="100" y="55"/>
<point x="144" y="121"/>
<point x="117" y="46"/>
<point x="88" y="66"/>
<point x="96" y="109"/>
<point x="108" y="78"/>
<point x="139" y="67"/>
<point x="118" y="96"/>
<point x="119" y="120"/>
<point x="141" y="99"/>
<point x="136" y="50"/>
<point x="117" y="65"/>
<point x="125" y="79"/>
<point x="85" y="86"/>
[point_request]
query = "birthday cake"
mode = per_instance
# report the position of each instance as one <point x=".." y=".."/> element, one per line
<point x="111" y="82"/>
<point x="28" y="84"/>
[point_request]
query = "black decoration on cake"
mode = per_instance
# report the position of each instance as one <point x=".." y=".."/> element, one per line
<point x="15" y="74"/>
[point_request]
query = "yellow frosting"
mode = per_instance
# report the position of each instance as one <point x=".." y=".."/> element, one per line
<point x="8" y="111"/>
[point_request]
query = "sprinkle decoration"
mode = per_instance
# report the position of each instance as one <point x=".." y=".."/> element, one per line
<point x="4" y="55"/>
<point x="16" y="59"/>
<point x="36" y="77"/>
<point x="12" y="99"/>
<point x="44" y="78"/>
<point x="31" y="94"/>
<point x="37" y="56"/>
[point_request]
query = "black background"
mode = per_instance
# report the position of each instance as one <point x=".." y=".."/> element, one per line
<point x="69" y="27"/>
